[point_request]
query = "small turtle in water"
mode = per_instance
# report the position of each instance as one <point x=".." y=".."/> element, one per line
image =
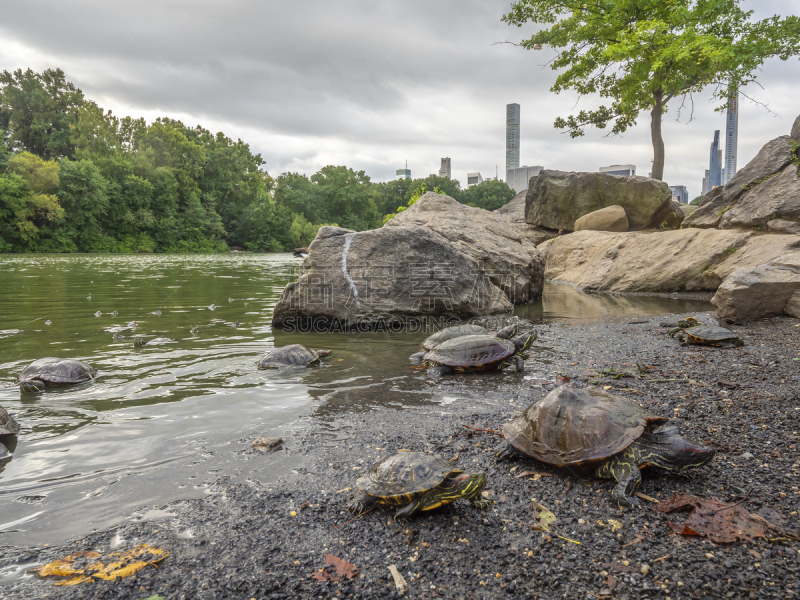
<point x="477" y="353"/>
<point x="8" y="426"/>
<point x="295" y="355"/>
<point x="703" y="330"/>
<point x="456" y="331"/>
<point x="51" y="372"/>
<point x="594" y="432"/>
<point x="141" y="343"/>
<point x="415" y="481"/>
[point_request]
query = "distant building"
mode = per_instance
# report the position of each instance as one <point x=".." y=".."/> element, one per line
<point x="731" y="138"/>
<point x="512" y="136"/>
<point x="715" y="163"/>
<point x="518" y="179"/>
<point x="626" y="170"/>
<point x="404" y="173"/>
<point x="474" y="179"/>
<point x="680" y="194"/>
<point x="706" y="180"/>
<point x="444" y="171"/>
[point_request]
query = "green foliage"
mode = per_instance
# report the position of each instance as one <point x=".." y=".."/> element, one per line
<point x="731" y="250"/>
<point x="697" y="201"/>
<point x="416" y="194"/>
<point x="641" y="54"/>
<point x="489" y="195"/>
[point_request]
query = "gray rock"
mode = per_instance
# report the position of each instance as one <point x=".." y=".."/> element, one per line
<point x="746" y="456"/>
<point x="556" y="199"/>
<point x="784" y="226"/>
<point x="372" y="278"/>
<point x="777" y="197"/>
<point x="773" y="157"/>
<point x="795" y="135"/>
<point x="755" y="292"/>
<point x="514" y="213"/>
<point x="669" y="216"/>
<point x="508" y="259"/>
<point x="793" y="306"/>
<point x="265" y="444"/>
<point x="610" y="218"/>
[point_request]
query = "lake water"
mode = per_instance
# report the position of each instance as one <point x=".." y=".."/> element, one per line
<point x="161" y="423"/>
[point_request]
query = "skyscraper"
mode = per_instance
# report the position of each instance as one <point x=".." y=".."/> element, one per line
<point x="715" y="164"/>
<point x="680" y="194"/>
<point x="519" y="179"/>
<point x="705" y="187"/>
<point x="512" y="136"/>
<point x="444" y="171"/>
<point x="731" y="138"/>
<point x="404" y="173"/>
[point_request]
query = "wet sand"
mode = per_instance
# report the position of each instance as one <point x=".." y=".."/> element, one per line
<point x="241" y="541"/>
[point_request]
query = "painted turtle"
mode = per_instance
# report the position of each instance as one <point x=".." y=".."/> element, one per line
<point x="51" y="372"/>
<point x="706" y="335"/>
<point x="295" y="355"/>
<point x="8" y="426"/>
<point x="477" y="353"/>
<point x="456" y="331"/>
<point x="597" y="433"/>
<point x="415" y="481"/>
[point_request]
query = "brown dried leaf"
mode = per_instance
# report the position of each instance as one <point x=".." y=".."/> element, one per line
<point x="335" y="568"/>
<point x="720" y="522"/>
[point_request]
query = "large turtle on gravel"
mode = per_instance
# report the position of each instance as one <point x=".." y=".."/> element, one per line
<point x="52" y="372"/>
<point x="8" y="426"/>
<point x="594" y="432"/>
<point x="456" y="331"/>
<point x="295" y="355"/>
<point x="477" y="353"/>
<point x="416" y="482"/>
<point x="704" y="331"/>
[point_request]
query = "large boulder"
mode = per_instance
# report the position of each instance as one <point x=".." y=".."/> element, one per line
<point x="556" y="199"/>
<point x="743" y="189"/>
<point x="776" y="198"/>
<point x="508" y="258"/>
<point x="755" y="292"/>
<point x="514" y="213"/>
<point x="386" y="275"/>
<point x="784" y="226"/>
<point x="793" y="306"/>
<point x="610" y="218"/>
<point x="795" y="135"/>
<point x="669" y="216"/>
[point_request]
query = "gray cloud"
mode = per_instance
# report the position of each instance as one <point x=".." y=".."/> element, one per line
<point x="362" y="83"/>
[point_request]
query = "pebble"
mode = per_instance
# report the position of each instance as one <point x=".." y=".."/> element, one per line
<point x="644" y="569"/>
<point x="746" y="456"/>
<point x="293" y="513"/>
<point x="625" y="563"/>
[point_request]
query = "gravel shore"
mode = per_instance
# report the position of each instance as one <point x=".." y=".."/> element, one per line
<point x="249" y="540"/>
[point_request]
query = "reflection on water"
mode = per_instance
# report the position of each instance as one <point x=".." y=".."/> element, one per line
<point x="161" y="422"/>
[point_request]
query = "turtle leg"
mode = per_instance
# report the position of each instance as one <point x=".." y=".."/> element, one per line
<point x="624" y="469"/>
<point x="361" y="502"/>
<point x="412" y="507"/>
<point x="31" y="386"/>
<point x="505" y="450"/>
<point x="518" y="362"/>
<point x="673" y="331"/>
<point x="441" y="370"/>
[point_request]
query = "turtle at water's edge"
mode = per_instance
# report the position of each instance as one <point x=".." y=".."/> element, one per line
<point x="294" y="355"/>
<point x="456" y="331"/>
<point x="53" y="372"/>
<point x="597" y="433"/>
<point x="478" y="353"/>
<point x="8" y="426"/>
<point x="415" y="481"/>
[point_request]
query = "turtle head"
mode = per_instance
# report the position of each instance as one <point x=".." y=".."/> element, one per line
<point x="667" y="449"/>
<point x="688" y="322"/>
<point x="506" y="333"/>
<point x="31" y="386"/>
<point x="524" y="341"/>
<point x="462" y="485"/>
<point x="322" y="353"/>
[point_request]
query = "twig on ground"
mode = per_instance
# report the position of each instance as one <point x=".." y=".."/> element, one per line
<point x="495" y="431"/>
<point x="354" y="518"/>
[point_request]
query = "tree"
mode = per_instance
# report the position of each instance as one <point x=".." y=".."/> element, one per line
<point x="83" y="195"/>
<point x="489" y="195"/>
<point x="38" y="110"/>
<point x="641" y="54"/>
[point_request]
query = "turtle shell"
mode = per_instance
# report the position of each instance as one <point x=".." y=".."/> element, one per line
<point x="450" y="333"/>
<point x="57" y="371"/>
<point x="694" y="321"/>
<point x="709" y="335"/>
<point x="471" y="351"/>
<point x="294" y="355"/>
<point x="577" y="426"/>
<point x="404" y="476"/>
<point x="8" y="426"/>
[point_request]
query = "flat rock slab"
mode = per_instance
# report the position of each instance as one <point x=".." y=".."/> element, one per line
<point x="514" y="213"/>
<point x="610" y="218"/>
<point x="760" y="291"/>
<point x="557" y="199"/>
<point x="776" y="198"/>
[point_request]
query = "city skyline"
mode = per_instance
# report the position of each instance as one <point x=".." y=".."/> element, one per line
<point x="318" y="84"/>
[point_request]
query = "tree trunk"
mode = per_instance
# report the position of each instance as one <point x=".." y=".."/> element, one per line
<point x="655" y="134"/>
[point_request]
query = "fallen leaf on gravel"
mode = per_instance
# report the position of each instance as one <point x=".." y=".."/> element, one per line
<point x="535" y="475"/>
<point x="773" y="516"/>
<point x="335" y="568"/>
<point x="615" y="525"/>
<point x="754" y="553"/>
<point x="156" y="597"/>
<point x="720" y="522"/>
<point x="116" y="564"/>
<point x="543" y="517"/>
<point x="646" y="497"/>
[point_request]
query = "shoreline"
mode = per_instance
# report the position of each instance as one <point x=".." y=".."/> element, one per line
<point x="245" y="543"/>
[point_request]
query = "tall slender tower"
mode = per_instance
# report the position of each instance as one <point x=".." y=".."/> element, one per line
<point x="731" y="137"/>
<point x="715" y="164"/>
<point x="512" y="136"/>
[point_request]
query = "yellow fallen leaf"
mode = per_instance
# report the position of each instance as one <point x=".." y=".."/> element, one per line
<point x="615" y="525"/>
<point x="116" y="564"/>
<point x="543" y="517"/>
<point x="607" y="387"/>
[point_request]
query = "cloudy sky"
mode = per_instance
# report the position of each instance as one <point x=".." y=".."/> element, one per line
<point x="363" y="83"/>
